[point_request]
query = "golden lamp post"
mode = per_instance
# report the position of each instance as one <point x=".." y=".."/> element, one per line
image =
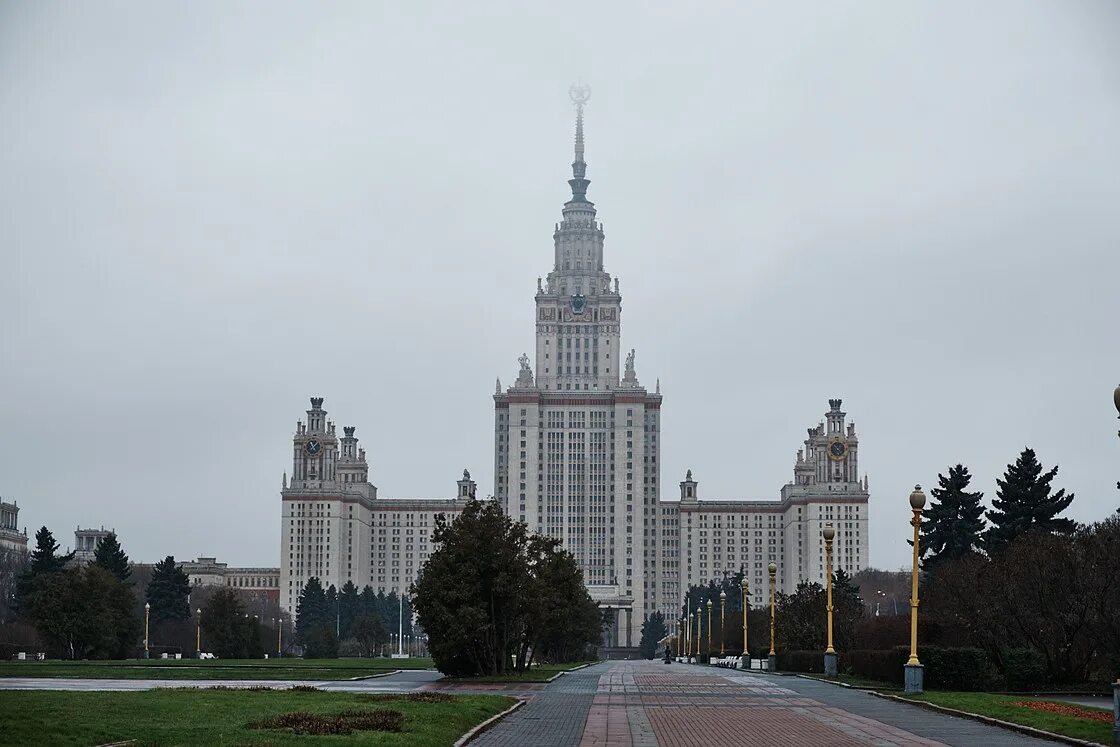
<point x="147" y="609"/>
<point x="198" y="635"/>
<point x="722" y="637"/>
<point x="688" y="637"/>
<point x="772" y="661"/>
<point x="1116" y="685"/>
<point x="699" y="627"/>
<point x="829" y="653"/>
<point x="709" y="651"/>
<point x="913" y="671"/>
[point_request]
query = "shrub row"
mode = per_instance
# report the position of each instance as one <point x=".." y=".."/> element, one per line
<point x="948" y="668"/>
<point x="810" y="662"/>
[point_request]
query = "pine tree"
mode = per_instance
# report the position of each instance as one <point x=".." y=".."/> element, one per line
<point x="1025" y="503"/>
<point x="43" y="557"/>
<point x="167" y="592"/>
<point x="348" y="606"/>
<point x="44" y="560"/>
<point x="109" y="555"/>
<point x="953" y="525"/>
<point x="653" y="630"/>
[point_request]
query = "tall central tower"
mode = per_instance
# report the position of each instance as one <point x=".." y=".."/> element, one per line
<point x="577" y="445"/>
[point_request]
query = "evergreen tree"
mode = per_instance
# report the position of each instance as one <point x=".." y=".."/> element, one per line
<point x="84" y="613"/>
<point x="227" y="630"/>
<point x="167" y="592"/>
<point x="953" y="524"/>
<point x="367" y="603"/>
<point x="44" y="560"/>
<point x="348" y="607"/>
<point x="332" y="612"/>
<point x="109" y="555"/>
<point x="315" y="621"/>
<point x="1025" y="502"/>
<point x="653" y="630"/>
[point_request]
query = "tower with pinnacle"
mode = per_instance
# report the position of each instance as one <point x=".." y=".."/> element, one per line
<point x="577" y="437"/>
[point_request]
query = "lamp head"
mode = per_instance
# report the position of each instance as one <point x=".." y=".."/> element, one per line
<point x="829" y="532"/>
<point x="917" y="498"/>
<point x="709" y="604"/>
<point x="722" y="595"/>
<point x="147" y="606"/>
<point x="773" y="567"/>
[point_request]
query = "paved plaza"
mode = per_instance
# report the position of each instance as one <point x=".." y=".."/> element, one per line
<point x="650" y="704"/>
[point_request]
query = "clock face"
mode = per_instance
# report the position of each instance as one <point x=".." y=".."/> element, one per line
<point x="312" y="447"/>
<point x="578" y="303"/>
<point x="838" y="450"/>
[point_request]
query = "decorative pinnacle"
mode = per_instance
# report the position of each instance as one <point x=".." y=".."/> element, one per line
<point x="580" y="95"/>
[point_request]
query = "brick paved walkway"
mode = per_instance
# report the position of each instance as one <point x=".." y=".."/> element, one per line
<point x="649" y="704"/>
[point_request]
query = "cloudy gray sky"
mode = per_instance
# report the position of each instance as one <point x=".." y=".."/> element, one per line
<point x="211" y="211"/>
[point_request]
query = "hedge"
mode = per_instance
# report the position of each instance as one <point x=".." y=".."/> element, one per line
<point x="801" y="661"/>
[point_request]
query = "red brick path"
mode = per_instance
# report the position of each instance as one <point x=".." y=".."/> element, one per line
<point x="642" y="704"/>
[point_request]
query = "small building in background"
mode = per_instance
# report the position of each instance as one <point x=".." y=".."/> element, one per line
<point x="11" y="538"/>
<point x="205" y="571"/>
<point x="85" y="542"/>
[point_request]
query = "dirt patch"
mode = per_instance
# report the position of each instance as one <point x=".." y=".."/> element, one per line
<point x="347" y="722"/>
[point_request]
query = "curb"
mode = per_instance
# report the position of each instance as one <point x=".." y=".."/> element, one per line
<point x="379" y="674"/>
<point x="830" y="682"/>
<point x="568" y="671"/>
<point x="1028" y="730"/>
<point x="473" y="733"/>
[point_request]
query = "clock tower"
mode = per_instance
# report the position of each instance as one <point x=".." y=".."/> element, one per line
<point x="315" y="450"/>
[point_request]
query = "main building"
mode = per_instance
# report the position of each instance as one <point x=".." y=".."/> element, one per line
<point x="577" y="455"/>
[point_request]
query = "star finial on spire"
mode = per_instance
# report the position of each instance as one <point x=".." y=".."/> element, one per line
<point x="580" y="95"/>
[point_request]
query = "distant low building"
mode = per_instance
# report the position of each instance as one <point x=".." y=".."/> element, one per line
<point x="85" y="542"/>
<point x="11" y="538"/>
<point x="209" y="572"/>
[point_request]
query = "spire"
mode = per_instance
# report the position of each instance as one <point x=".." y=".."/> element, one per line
<point x="580" y="95"/>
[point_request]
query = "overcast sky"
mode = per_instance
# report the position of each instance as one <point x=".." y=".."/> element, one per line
<point x="211" y="211"/>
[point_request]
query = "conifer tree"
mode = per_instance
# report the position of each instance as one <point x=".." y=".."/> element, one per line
<point x="953" y="525"/>
<point x="109" y="555"/>
<point x="1025" y="502"/>
<point x="44" y="560"/>
<point x="167" y="591"/>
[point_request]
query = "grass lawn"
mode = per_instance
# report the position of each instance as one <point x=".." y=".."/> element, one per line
<point x="217" y="669"/>
<point x="539" y="673"/>
<point x="223" y="717"/>
<point x="1004" y="708"/>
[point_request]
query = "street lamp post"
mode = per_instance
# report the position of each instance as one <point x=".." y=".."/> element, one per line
<point x="913" y="671"/>
<point x="699" y="628"/>
<point x="198" y="635"/>
<point x="709" y="652"/>
<point x="1116" y="685"/>
<point x="744" y="586"/>
<point x="722" y="637"/>
<point x="147" y="610"/>
<point x="829" y="653"/>
<point x="688" y="638"/>
<point x="772" y="661"/>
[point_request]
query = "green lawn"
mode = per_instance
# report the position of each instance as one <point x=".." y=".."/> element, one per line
<point x="224" y="717"/>
<point x="1003" y="708"/>
<point x="218" y="669"/>
<point x="539" y="673"/>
